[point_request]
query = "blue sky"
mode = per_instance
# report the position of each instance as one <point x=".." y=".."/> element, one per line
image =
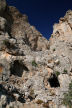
<point x="42" y="13"/>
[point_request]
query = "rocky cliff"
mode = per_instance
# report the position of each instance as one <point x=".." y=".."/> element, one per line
<point x="34" y="72"/>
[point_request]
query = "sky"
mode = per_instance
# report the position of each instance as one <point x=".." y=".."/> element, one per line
<point x="42" y="13"/>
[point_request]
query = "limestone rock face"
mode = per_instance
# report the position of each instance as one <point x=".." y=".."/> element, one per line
<point x="21" y="29"/>
<point x="2" y="24"/>
<point x="4" y="70"/>
<point x="34" y="72"/>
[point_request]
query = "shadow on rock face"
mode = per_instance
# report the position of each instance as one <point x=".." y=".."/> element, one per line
<point x="9" y="94"/>
<point x="53" y="80"/>
<point x="17" y="68"/>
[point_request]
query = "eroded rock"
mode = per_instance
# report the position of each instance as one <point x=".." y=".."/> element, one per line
<point x="2" y="6"/>
<point x="34" y="72"/>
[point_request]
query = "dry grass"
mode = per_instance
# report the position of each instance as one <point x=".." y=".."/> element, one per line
<point x="46" y="105"/>
<point x="39" y="101"/>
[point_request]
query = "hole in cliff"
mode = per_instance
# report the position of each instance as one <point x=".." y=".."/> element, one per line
<point x="17" y="68"/>
<point x="53" y="80"/>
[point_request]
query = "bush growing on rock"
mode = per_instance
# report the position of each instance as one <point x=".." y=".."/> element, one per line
<point x="68" y="97"/>
<point x="6" y="43"/>
<point x="57" y="73"/>
<point x="65" y="71"/>
<point x="52" y="35"/>
<point x="34" y="63"/>
<point x="32" y="94"/>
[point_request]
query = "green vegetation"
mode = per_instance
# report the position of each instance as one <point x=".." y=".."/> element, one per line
<point x="6" y="42"/>
<point x="11" y="107"/>
<point x="52" y="35"/>
<point x="31" y="92"/>
<point x="65" y="71"/>
<point x="57" y="73"/>
<point x="67" y="101"/>
<point x="34" y="63"/>
<point x="32" y="95"/>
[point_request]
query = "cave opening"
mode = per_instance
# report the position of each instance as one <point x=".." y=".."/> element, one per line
<point x="53" y="80"/>
<point x="17" y="68"/>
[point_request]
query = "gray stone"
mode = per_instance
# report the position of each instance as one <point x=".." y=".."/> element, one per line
<point x="3" y="23"/>
<point x="31" y="67"/>
<point x="4" y="70"/>
<point x="2" y="6"/>
<point x="3" y="100"/>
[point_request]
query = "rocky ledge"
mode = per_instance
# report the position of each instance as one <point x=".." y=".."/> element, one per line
<point x="34" y="72"/>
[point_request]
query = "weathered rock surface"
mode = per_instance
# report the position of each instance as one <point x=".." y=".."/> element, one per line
<point x="34" y="72"/>
<point x="2" y="6"/>
<point x="25" y="33"/>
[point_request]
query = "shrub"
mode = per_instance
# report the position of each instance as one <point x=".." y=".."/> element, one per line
<point x="6" y="42"/>
<point x="52" y="35"/>
<point x="32" y="95"/>
<point x="70" y="86"/>
<point x="57" y="73"/>
<point x="67" y="101"/>
<point x="65" y="71"/>
<point x="34" y="63"/>
<point x="31" y="92"/>
<point x="11" y="107"/>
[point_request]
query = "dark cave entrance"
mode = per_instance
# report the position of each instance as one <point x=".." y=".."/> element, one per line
<point x="53" y="80"/>
<point x="17" y="68"/>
